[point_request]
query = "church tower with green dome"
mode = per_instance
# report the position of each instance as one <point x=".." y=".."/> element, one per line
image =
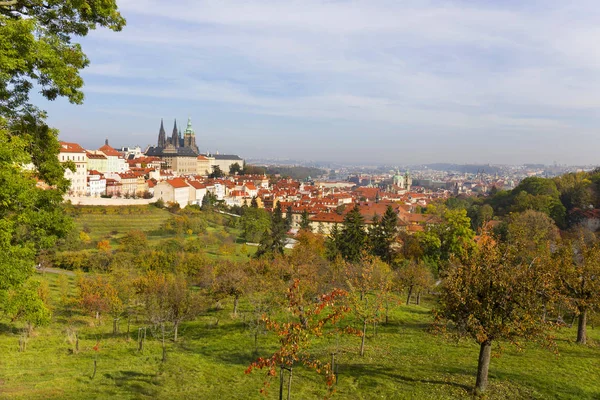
<point x="189" y="137"/>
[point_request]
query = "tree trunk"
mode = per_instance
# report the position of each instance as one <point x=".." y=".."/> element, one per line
<point x="419" y="298"/>
<point x="483" y="366"/>
<point x="290" y="385"/>
<point x="175" y="330"/>
<point x="281" y="384"/>
<point x="76" y="343"/>
<point x="387" y="309"/>
<point x="164" y="347"/>
<point x="581" y="331"/>
<point x="115" y="326"/>
<point x="94" y="373"/>
<point x="362" y="340"/>
<point x="333" y="367"/>
<point x="410" y="290"/>
<point x="236" y="300"/>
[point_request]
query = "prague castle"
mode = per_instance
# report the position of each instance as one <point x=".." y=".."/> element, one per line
<point x="181" y="153"/>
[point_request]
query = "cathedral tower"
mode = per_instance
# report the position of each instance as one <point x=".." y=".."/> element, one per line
<point x="162" y="136"/>
<point x="189" y="137"/>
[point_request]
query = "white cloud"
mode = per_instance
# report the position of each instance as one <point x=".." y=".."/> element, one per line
<point x="431" y="65"/>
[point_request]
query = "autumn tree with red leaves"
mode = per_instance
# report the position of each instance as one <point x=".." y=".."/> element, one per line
<point x="296" y="336"/>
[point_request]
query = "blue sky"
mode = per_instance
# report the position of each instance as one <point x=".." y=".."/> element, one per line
<point x="395" y="82"/>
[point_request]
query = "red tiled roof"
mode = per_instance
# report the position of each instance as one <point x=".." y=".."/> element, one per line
<point x="109" y="151"/>
<point x="67" y="147"/>
<point x="328" y="217"/>
<point x="177" y="183"/>
<point x="196" y="184"/>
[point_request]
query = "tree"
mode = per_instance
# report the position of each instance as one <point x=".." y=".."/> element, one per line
<point x="579" y="277"/>
<point x="253" y="223"/>
<point x="36" y="51"/>
<point x="27" y="305"/>
<point x="455" y="235"/>
<point x="272" y="241"/>
<point x="254" y="202"/>
<point x="134" y="241"/>
<point x="384" y="235"/>
<point x="231" y="279"/>
<point x="305" y="221"/>
<point x="415" y="277"/>
<point x="368" y="284"/>
<point x="289" y="218"/>
<point x="353" y="237"/>
<point x="216" y="172"/>
<point x="296" y="335"/>
<point x="235" y="169"/>
<point x="491" y="296"/>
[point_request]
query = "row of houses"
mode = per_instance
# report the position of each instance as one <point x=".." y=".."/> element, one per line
<point x="110" y="172"/>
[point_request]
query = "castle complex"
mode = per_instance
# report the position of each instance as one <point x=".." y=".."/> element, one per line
<point x="181" y="153"/>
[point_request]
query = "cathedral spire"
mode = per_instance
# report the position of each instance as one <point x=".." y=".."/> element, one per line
<point x="175" y="128"/>
<point x="162" y="136"/>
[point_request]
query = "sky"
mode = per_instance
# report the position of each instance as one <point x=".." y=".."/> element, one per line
<point x="374" y="81"/>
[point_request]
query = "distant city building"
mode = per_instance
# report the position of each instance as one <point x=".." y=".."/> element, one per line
<point x="78" y="178"/>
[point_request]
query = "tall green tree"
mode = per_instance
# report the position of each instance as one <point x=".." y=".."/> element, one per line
<point x="384" y="233"/>
<point x="289" y="218"/>
<point x="455" y="235"/>
<point x="36" y="50"/>
<point x="235" y="169"/>
<point x="353" y="237"/>
<point x="273" y="240"/>
<point x="305" y="221"/>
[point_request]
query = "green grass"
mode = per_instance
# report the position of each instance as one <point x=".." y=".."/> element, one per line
<point x="101" y="225"/>
<point x="404" y="361"/>
<point x="113" y="227"/>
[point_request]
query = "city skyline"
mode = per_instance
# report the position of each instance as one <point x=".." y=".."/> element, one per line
<point x="379" y="81"/>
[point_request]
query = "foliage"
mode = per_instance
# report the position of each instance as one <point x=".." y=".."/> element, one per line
<point x="27" y="304"/>
<point x="455" y="235"/>
<point x="235" y="169"/>
<point x="414" y="277"/>
<point x="254" y="222"/>
<point x="579" y="277"/>
<point x="352" y="238"/>
<point x="134" y="241"/>
<point x="296" y="336"/>
<point x="383" y="234"/>
<point x="492" y="296"/>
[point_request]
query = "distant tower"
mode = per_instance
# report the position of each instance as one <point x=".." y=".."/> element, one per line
<point x="398" y="180"/>
<point x="162" y="136"/>
<point x="175" y="136"/>
<point x="106" y="142"/>
<point x="189" y="137"/>
<point x="407" y="180"/>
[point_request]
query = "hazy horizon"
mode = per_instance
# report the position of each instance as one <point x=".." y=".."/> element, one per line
<point x="384" y="82"/>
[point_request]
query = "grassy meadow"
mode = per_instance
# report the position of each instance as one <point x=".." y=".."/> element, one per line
<point x="113" y="223"/>
<point x="403" y="361"/>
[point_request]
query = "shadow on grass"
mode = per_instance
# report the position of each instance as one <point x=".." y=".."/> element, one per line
<point x="134" y="382"/>
<point x="361" y="370"/>
<point x="6" y="328"/>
